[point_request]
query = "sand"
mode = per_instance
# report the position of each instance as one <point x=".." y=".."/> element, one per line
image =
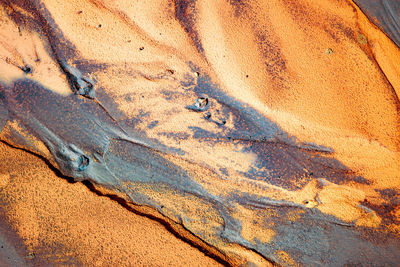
<point x="66" y="223"/>
<point x="296" y="151"/>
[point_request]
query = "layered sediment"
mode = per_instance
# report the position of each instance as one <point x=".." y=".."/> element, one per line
<point x="263" y="132"/>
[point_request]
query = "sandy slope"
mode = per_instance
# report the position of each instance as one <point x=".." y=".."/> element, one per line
<point x="66" y="223"/>
<point x="300" y="136"/>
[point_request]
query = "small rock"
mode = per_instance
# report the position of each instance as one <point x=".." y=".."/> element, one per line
<point x="30" y="256"/>
<point x="201" y="104"/>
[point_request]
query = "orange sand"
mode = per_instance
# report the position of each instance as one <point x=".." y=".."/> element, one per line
<point x="319" y="69"/>
<point x="64" y="223"/>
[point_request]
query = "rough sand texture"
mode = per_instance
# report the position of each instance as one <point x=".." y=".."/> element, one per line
<point x="66" y="223"/>
<point x="262" y="131"/>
